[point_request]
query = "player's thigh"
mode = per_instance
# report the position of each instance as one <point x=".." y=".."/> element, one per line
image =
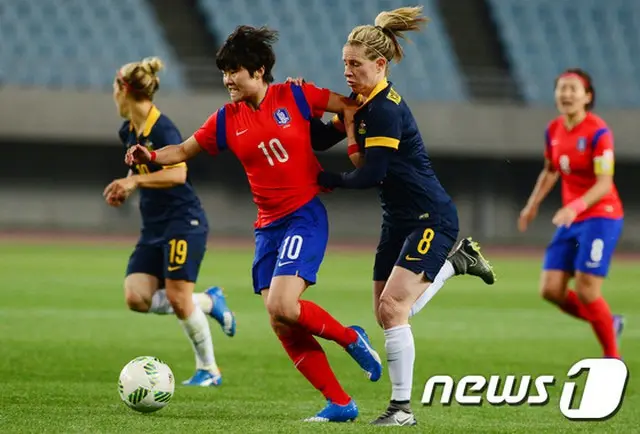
<point x="146" y="258"/>
<point x="144" y="274"/>
<point x="183" y="255"/>
<point x="303" y="245"/>
<point x="597" y="242"/>
<point x="425" y="251"/>
<point x="267" y="243"/>
<point x="390" y="244"/>
<point x="561" y="251"/>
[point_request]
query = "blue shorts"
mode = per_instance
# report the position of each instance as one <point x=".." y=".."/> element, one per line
<point x="418" y="248"/>
<point x="291" y="246"/>
<point x="175" y="257"/>
<point x="586" y="246"/>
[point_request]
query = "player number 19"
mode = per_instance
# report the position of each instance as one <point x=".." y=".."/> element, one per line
<point x="276" y="149"/>
<point x="177" y="251"/>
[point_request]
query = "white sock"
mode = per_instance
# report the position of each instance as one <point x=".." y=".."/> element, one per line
<point x="445" y="273"/>
<point x="203" y="301"/>
<point x="160" y="303"/>
<point x="197" y="329"/>
<point x="401" y="353"/>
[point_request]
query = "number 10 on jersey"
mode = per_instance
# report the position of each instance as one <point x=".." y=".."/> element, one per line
<point x="274" y="149"/>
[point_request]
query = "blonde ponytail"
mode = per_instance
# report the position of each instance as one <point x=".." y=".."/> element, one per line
<point x="381" y="39"/>
<point x="140" y="78"/>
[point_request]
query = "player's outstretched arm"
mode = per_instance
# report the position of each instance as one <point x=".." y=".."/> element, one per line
<point x="166" y="156"/>
<point x="168" y="177"/>
<point x="546" y="181"/>
<point x="369" y="175"/>
<point x="339" y="103"/>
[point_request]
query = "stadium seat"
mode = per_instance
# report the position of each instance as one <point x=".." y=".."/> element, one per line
<point x="79" y="43"/>
<point x="544" y="37"/>
<point x="313" y="32"/>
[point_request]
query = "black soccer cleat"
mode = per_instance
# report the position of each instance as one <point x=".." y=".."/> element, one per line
<point x="467" y="259"/>
<point x="396" y="415"/>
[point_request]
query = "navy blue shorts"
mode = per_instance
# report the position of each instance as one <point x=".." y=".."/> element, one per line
<point x="291" y="246"/>
<point x="421" y="249"/>
<point x="175" y="257"/>
<point x="586" y="246"/>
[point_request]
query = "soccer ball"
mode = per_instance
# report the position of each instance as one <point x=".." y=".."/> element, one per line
<point x="146" y="384"/>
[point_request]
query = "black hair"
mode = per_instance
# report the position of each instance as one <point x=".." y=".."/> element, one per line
<point x="588" y="82"/>
<point x="250" y="48"/>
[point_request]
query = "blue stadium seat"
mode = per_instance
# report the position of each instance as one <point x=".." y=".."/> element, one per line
<point x="544" y="37"/>
<point x="79" y="43"/>
<point x="313" y="32"/>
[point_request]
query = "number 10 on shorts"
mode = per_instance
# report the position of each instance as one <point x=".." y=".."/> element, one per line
<point x="290" y="250"/>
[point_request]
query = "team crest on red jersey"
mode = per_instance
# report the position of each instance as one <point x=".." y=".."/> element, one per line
<point x="582" y="144"/>
<point x="281" y="116"/>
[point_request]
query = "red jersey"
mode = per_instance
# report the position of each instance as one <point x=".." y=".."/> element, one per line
<point x="581" y="154"/>
<point x="273" y="143"/>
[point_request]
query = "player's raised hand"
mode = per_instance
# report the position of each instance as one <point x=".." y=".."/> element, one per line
<point x="527" y="215"/>
<point x="137" y="154"/>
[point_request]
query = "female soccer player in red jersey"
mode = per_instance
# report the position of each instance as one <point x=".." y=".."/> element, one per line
<point x="165" y="263"/>
<point x="267" y="127"/>
<point x="579" y="151"/>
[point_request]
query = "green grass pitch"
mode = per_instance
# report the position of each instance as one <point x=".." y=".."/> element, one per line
<point x="65" y="334"/>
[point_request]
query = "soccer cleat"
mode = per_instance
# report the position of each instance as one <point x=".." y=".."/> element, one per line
<point x="221" y="312"/>
<point x="396" y="416"/>
<point x="204" y="378"/>
<point x="467" y="259"/>
<point x="362" y="352"/>
<point x="618" y="327"/>
<point x="336" y="413"/>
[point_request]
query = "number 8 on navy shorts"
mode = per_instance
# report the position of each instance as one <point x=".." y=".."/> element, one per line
<point x="291" y="246"/>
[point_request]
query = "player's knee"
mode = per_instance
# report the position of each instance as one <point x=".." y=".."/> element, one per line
<point x="135" y="301"/>
<point x="283" y="310"/>
<point x="552" y="293"/>
<point x="389" y="310"/>
<point x="553" y="286"/>
<point x="588" y="287"/>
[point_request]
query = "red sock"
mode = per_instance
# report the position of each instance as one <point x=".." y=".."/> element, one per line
<point x="602" y="323"/>
<point x="574" y="307"/>
<point x="319" y="322"/>
<point x="309" y="358"/>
